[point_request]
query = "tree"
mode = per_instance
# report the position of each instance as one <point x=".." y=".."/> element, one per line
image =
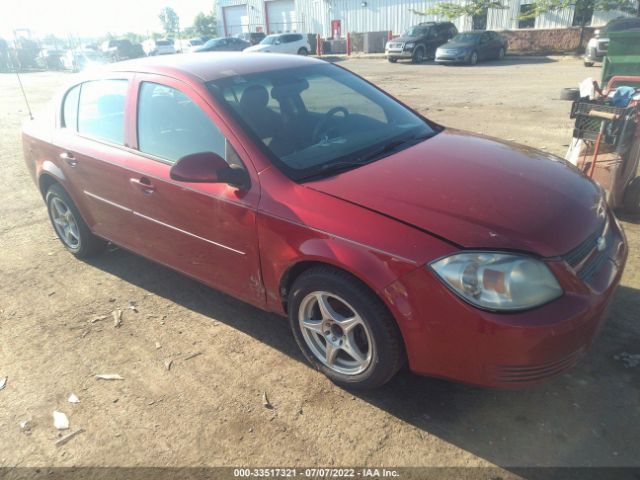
<point x="205" y="25"/>
<point x="539" y="7"/>
<point x="170" y="21"/>
<point x="470" y="8"/>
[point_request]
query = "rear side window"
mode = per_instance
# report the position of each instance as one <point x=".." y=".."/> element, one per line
<point x="101" y="110"/>
<point x="171" y="126"/>
<point x="70" y="108"/>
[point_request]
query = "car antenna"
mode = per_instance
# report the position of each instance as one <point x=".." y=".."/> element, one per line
<point x="24" y="95"/>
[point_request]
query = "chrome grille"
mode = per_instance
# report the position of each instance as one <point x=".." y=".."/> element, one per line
<point x="587" y="258"/>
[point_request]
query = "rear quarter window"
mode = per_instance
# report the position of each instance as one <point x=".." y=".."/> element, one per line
<point x="70" y="108"/>
<point x="101" y="110"/>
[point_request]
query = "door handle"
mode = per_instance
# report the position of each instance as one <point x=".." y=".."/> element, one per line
<point x="143" y="184"/>
<point x="69" y="159"/>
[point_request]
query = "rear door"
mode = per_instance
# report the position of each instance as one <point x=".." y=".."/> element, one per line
<point x="205" y="230"/>
<point x="92" y="150"/>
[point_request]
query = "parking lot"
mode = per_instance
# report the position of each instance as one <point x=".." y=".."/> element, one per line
<point x="196" y="363"/>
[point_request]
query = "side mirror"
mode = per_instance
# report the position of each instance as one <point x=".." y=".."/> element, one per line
<point x="208" y="167"/>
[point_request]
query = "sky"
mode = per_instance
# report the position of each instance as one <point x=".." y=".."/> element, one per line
<point x="88" y="18"/>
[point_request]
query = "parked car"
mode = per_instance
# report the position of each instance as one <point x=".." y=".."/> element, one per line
<point x="597" y="46"/>
<point x="252" y="37"/>
<point x="161" y="46"/>
<point x="226" y="44"/>
<point x="472" y="47"/>
<point x="51" y="58"/>
<point x="302" y="189"/>
<point x="420" y="42"/>
<point x="78" y="60"/>
<point x="294" y="43"/>
<point x="187" y="46"/>
<point x="123" y="49"/>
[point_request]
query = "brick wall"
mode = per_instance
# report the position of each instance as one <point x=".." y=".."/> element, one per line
<point x="548" y="41"/>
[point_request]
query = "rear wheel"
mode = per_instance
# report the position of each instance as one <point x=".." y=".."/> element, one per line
<point x="418" y="55"/>
<point x="501" y="53"/>
<point x="588" y="64"/>
<point x="344" y="329"/>
<point x="303" y="51"/>
<point x="632" y="196"/>
<point x="69" y="226"/>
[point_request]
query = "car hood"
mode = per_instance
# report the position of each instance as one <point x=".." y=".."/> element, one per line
<point x="457" y="45"/>
<point x="478" y="192"/>
<point x="258" y="48"/>
<point x="405" y="38"/>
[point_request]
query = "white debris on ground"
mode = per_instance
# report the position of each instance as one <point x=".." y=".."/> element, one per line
<point x="60" y="420"/>
<point x="117" y="318"/>
<point x="628" y="360"/>
<point x="3" y="382"/>
<point x="66" y="438"/>
<point x="73" y="398"/>
<point x="108" y="376"/>
<point x="25" y="426"/>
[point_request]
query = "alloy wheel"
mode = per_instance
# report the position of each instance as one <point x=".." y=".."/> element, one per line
<point x="65" y="223"/>
<point x="335" y="333"/>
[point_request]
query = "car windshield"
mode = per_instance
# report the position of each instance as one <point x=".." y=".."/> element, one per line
<point x="415" y="32"/>
<point x="213" y="42"/>
<point x="194" y="43"/>
<point x="468" y="37"/>
<point x="314" y="120"/>
<point x="270" y="40"/>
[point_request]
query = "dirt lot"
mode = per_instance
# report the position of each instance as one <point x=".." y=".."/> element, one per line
<point x="207" y="410"/>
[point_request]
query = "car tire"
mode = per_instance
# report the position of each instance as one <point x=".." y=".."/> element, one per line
<point x="501" y="53"/>
<point x="632" y="197"/>
<point x="588" y="64"/>
<point x="303" y="51"/>
<point x="69" y="225"/>
<point x="473" y="58"/>
<point x="392" y="60"/>
<point x="569" y="94"/>
<point x="374" y="339"/>
<point x="418" y="55"/>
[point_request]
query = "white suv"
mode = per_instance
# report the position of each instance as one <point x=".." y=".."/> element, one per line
<point x="295" y="43"/>
<point x="158" y="47"/>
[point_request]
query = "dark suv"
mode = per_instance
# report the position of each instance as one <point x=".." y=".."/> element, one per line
<point x="420" y="42"/>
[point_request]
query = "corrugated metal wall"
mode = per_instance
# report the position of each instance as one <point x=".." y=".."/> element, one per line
<point x="315" y="16"/>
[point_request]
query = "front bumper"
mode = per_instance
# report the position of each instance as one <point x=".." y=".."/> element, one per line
<point x="405" y="53"/>
<point x="457" y="58"/>
<point x="446" y="337"/>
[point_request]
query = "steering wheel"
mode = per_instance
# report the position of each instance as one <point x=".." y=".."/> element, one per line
<point x="321" y="127"/>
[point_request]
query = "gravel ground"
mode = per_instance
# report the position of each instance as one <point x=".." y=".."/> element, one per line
<point x="207" y="410"/>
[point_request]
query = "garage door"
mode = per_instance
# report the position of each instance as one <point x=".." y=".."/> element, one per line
<point x="281" y="15"/>
<point x="236" y="20"/>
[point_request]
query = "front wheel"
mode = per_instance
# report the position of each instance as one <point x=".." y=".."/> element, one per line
<point x="501" y="53"/>
<point x="344" y="329"/>
<point x="418" y="55"/>
<point x="68" y="224"/>
<point x="392" y="60"/>
<point x="473" y="58"/>
<point x="303" y="51"/>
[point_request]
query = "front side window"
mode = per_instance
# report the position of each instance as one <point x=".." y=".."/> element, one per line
<point x="310" y="119"/>
<point x="70" y="108"/>
<point x="171" y="126"/>
<point x="101" y="110"/>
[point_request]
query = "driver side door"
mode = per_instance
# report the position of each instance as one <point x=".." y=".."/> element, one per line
<point x="205" y="230"/>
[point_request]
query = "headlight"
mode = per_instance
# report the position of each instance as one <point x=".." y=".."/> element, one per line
<point x="409" y="45"/>
<point x="498" y="281"/>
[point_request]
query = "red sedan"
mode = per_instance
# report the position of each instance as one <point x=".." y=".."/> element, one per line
<point x="301" y="188"/>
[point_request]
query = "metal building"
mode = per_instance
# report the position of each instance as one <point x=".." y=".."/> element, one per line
<point x="334" y="18"/>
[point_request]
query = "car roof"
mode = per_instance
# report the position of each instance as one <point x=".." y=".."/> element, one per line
<point x="207" y="66"/>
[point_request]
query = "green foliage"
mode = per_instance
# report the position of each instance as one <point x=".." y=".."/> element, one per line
<point x="170" y="21"/>
<point x="205" y="25"/>
<point x="544" y="6"/>
<point x="471" y="8"/>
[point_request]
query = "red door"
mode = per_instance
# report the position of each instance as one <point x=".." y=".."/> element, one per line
<point x="207" y="231"/>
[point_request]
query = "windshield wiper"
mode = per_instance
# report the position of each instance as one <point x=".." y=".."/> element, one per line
<point x="334" y="168"/>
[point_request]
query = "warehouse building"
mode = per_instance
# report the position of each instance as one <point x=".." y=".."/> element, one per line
<point x="334" y="18"/>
